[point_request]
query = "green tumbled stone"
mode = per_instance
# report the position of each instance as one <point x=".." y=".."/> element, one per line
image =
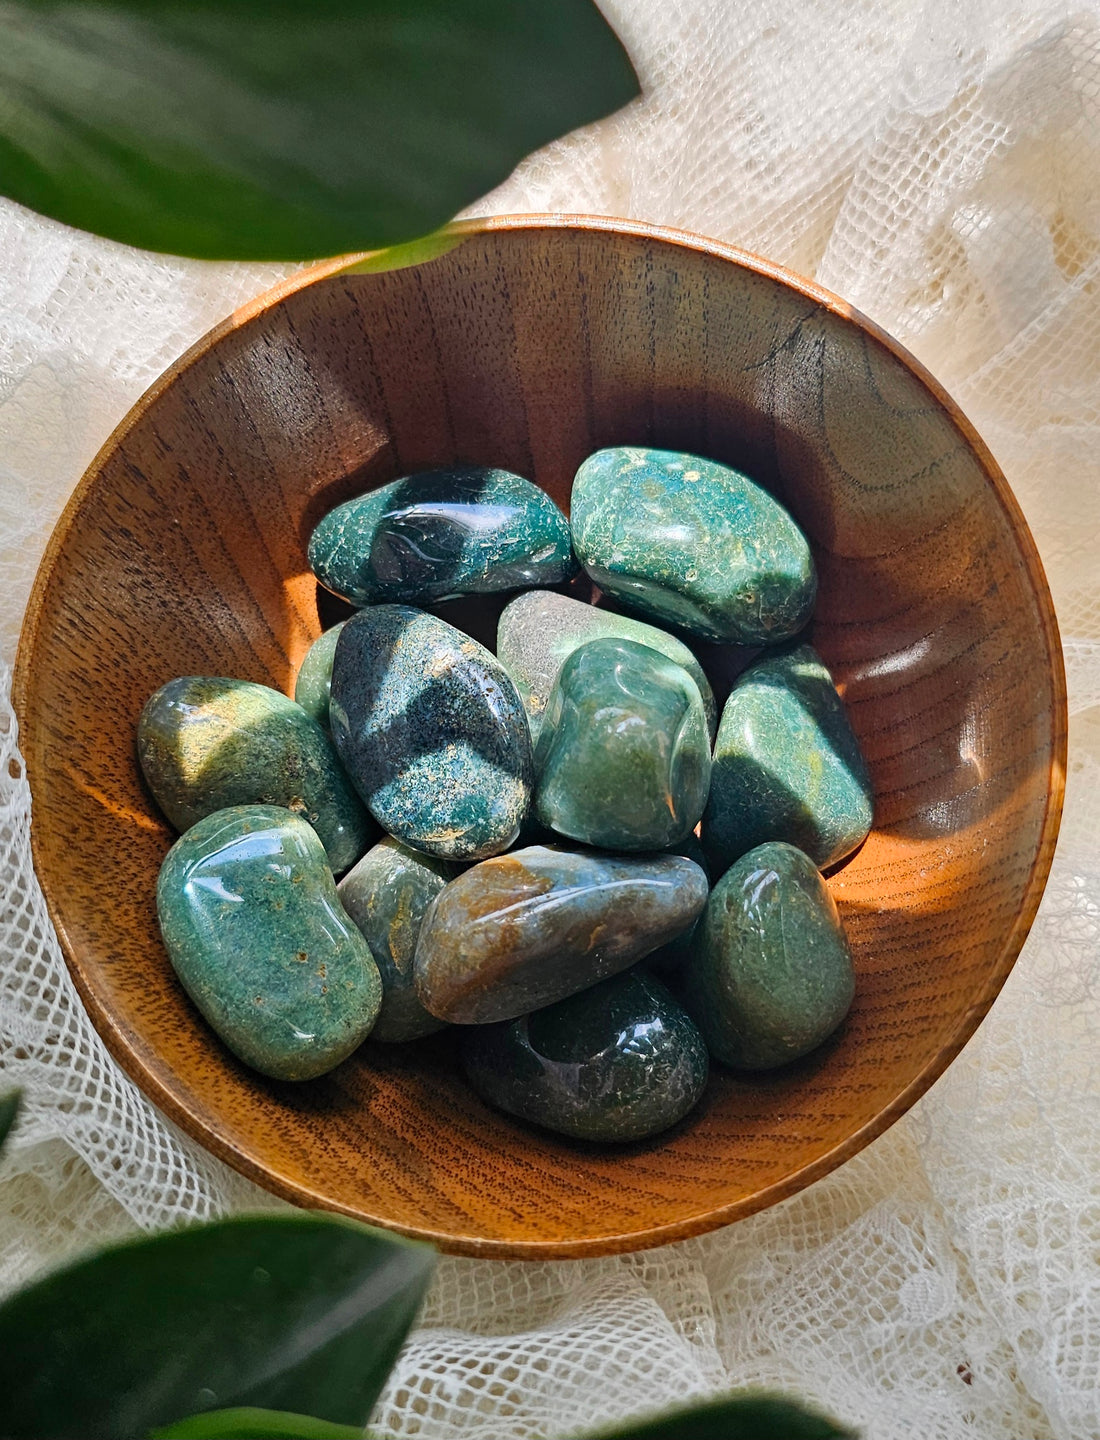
<point x="255" y="931"/>
<point x="433" y="536"/>
<point x="770" y="976"/>
<point x="538" y="632"/>
<point x="787" y="766"/>
<point x="668" y="960"/>
<point x="209" y="743"/>
<point x="522" y="930"/>
<point x="314" y="682"/>
<point x="692" y="543"/>
<point x="616" y="1063"/>
<point x="386" y="895"/>
<point x="623" y="758"/>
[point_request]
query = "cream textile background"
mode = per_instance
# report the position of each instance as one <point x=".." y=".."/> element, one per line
<point x="938" y="164"/>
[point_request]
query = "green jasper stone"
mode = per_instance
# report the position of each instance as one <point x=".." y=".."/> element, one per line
<point x="787" y="765"/>
<point x="529" y="928"/>
<point x="538" y="632"/>
<point x="623" y="758"/>
<point x="314" y="682"/>
<point x="692" y="543"/>
<point x="386" y="895"/>
<point x="616" y="1063"/>
<point x="771" y="974"/>
<point x="208" y="743"/>
<point x="668" y="960"/>
<point x="433" y="536"/>
<point x="253" y="926"/>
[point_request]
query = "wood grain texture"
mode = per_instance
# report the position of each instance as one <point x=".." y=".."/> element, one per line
<point x="531" y="344"/>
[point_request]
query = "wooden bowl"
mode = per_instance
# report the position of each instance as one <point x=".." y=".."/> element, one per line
<point x="533" y="342"/>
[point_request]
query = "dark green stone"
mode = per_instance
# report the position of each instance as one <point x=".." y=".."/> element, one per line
<point x="522" y="930"/>
<point x="668" y="960"/>
<point x="623" y="758"/>
<point x="443" y="533"/>
<point x="787" y="765"/>
<point x="209" y="743"/>
<point x="616" y="1063"/>
<point x="253" y="926"/>
<point x="311" y="688"/>
<point x="770" y="976"/>
<point x="538" y="632"/>
<point x="692" y="543"/>
<point x="432" y="732"/>
<point x="386" y="895"/>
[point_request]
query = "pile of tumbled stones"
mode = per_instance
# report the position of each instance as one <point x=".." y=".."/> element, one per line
<point x="591" y="968"/>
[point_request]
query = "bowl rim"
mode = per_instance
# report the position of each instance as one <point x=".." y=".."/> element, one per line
<point x="451" y="236"/>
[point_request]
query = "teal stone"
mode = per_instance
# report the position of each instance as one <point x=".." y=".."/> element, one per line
<point x="623" y="759"/>
<point x="771" y="974"/>
<point x="255" y="931"/>
<point x="616" y="1063"/>
<point x="206" y="744"/>
<point x="669" y="959"/>
<point x="787" y="766"/>
<point x="692" y="543"/>
<point x="386" y="895"/>
<point x="538" y="632"/>
<point x="523" y="930"/>
<point x="433" y="536"/>
<point x="311" y="688"/>
<point x="432" y="733"/>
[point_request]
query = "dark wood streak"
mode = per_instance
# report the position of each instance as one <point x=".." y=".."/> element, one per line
<point x="548" y="337"/>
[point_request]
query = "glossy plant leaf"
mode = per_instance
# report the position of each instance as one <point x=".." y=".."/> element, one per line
<point x="249" y="1423"/>
<point x="9" y="1109"/>
<point x="273" y="129"/>
<point x="302" y="1313"/>
<point x="747" y="1416"/>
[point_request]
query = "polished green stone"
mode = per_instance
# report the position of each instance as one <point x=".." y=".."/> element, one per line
<point x="526" y="929"/>
<point x="770" y="976"/>
<point x="787" y="765"/>
<point x="623" y="759"/>
<point x="668" y="960"/>
<point x="692" y="543"/>
<point x="469" y="529"/>
<point x="618" y="1062"/>
<point x="311" y="688"/>
<point x="538" y="631"/>
<point x="255" y="931"/>
<point x="208" y="743"/>
<point x="386" y="895"/>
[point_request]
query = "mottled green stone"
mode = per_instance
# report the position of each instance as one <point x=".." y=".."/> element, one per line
<point x="786" y="765"/>
<point x="442" y="533"/>
<point x="623" y="759"/>
<point x="669" y="958"/>
<point x="618" y="1062"/>
<point x="311" y="688"/>
<point x="432" y="732"/>
<point x="209" y="743"/>
<point x="538" y="632"/>
<point x="526" y="929"/>
<point x="692" y="543"/>
<point x="770" y="976"/>
<point x="255" y="931"/>
<point x="386" y="895"/>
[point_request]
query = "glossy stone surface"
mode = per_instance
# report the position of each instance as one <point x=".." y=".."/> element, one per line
<point x="787" y="765"/>
<point x="618" y="1062"/>
<point x="523" y="930"/>
<point x="314" y="681"/>
<point x="386" y="895"/>
<point x="538" y="632"/>
<point x="692" y="543"/>
<point x="668" y="960"/>
<point x="255" y="931"/>
<point x="432" y="536"/>
<point x="432" y="732"/>
<point x="771" y="973"/>
<point x="623" y="759"/>
<point x="209" y="743"/>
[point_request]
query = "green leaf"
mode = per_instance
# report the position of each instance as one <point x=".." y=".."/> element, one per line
<point x="302" y="1312"/>
<point x="249" y="1423"/>
<point x="9" y="1109"/>
<point x="747" y="1416"/>
<point x="276" y="129"/>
